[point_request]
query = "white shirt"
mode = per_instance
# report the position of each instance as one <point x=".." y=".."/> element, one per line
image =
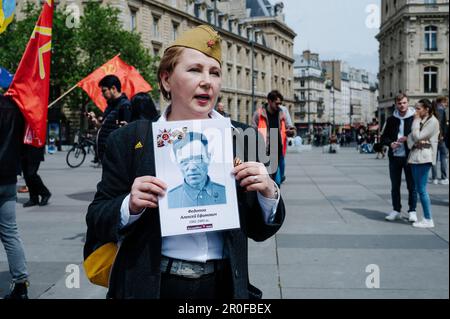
<point x="198" y="247"/>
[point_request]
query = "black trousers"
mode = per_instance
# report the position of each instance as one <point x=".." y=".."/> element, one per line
<point x="213" y="286"/>
<point x="396" y="166"/>
<point x="34" y="182"/>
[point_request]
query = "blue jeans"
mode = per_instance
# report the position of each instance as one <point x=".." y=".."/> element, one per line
<point x="442" y="155"/>
<point x="10" y="235"/>
<point x="280" y="171"/>
<point x="420" y="174"/>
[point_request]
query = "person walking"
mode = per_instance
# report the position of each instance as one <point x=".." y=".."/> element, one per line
<point x="11" y="135"/>
<point x="31" y="160"/>
<point x="271" y="119"/>
<point x="396" y="131"/>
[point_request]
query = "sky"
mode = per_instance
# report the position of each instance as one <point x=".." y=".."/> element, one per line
<point x="336" y="29"/>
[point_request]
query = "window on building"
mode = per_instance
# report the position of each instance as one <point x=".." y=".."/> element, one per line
<point x="263" y="81"/>
<point x="247" y="78"/>
<point x="230" y="76"/>
<point x="302" y="96"/>
<point x="302" y="83"/>
<point x="175" y="27"/>
<point x="156" y="52"/>
<point x="230" y="103"/>
<point x="431" y="38"/>
<point x="238" y="111"/>
<point x="430" y="79"/>
<point x="197" y="10"/>
<point x="156" y="26"/>
<point x="430" y="1"/>
<point x="133" y="19"/>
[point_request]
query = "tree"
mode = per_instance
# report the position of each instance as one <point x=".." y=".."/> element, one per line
<point x="76" y="52"/>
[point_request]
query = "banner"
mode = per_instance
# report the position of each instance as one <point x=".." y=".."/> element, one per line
<point x="132" y="82"/>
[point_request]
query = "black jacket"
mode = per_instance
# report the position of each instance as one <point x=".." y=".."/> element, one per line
<point x="136" y="272"/>
<point x="391" y="130"/>
<point x="11" y="139"/>
<point x="117" y="111"/>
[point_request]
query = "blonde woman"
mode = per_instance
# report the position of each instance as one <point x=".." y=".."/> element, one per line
<point x="423" y="141"/>
<point x="125" y="208"/>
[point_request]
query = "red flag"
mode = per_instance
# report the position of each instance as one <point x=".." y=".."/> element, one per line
<point x="132" y="82"/>
<point x="31" y="83"/>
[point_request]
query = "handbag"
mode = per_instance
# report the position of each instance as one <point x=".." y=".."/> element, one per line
<point x="99" y="263"/>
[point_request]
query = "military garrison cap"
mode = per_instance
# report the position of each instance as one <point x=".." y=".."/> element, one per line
<point x="202" y="38"/>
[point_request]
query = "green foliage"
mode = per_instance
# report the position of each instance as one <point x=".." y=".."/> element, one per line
<point x="76" y="52"/>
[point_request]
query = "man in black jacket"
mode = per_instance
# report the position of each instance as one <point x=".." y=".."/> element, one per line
<point x="11" y="135"/>
<point x="117" y="113"/>
<point x="395" y="134"/>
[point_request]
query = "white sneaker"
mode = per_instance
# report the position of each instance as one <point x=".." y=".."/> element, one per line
<point x="424" y="223"/>
<point x="404" y="215"/>
<point x="392" y="216"/>
<point x="435" y="181"/>
<point x="412" y="217"/>
<point x="444" y="181"/>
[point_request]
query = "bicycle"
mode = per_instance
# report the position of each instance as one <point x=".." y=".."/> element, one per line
<point x="83" y="144"/>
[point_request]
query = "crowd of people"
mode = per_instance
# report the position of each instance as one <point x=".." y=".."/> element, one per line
<point x="125" y="208"/>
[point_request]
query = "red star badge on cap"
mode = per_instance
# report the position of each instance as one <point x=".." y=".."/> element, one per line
<point x="211" y="43"/>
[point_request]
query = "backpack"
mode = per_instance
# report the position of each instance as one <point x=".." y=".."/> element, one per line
<point x="99" y="263"/>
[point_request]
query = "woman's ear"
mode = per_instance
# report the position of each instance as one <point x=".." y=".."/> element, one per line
<point x="165" y="81"/>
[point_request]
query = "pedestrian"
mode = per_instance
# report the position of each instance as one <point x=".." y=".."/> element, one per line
<point x="423" y="142"/>
<point x="143" y="107"/>
<point x="442" y="151"/>
<point x="125" y="207"/>
<point x="117" y="112"/>
<point x="396" y="130"/>
<point x="220" y="108"/>
<point x="269" y="119"/>
<point x="31" y="160"/>
<point x="11" y="137"/>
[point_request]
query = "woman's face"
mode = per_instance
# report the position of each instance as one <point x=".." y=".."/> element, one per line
<point x="194" y="85"/>
<point x="421" y="111"/>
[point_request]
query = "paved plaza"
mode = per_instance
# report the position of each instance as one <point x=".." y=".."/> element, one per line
<point x="333" y="243"/>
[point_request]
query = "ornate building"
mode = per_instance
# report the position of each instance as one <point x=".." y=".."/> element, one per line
<point x="413" y="51"/>
<point x="256" y="41"/>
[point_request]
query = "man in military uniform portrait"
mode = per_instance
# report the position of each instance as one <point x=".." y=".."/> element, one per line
<point x="193" y="159"/>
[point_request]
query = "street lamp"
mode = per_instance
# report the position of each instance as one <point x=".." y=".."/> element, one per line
<point x="308" y="98"/>
<point x="334" y="112"/>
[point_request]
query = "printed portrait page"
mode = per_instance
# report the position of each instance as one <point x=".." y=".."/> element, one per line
<point x="195" y="160"/>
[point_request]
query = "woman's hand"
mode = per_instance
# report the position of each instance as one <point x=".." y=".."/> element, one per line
<point x="253" y="176"/>
<point x="144" y="193"/>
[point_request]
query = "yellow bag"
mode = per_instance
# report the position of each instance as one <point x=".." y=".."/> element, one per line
<point x="98" y="264"/>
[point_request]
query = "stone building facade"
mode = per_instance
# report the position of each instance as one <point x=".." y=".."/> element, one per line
<point x="414" y="43"/>
<point x="255" y="40"/>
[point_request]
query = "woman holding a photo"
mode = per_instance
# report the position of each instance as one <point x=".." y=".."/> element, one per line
<point x="125" y="208"/>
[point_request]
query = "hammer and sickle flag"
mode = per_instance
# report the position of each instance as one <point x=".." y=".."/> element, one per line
<point x="31" y="83"/>
<point x="7" y="8"/>
<point x="130" y="79"/>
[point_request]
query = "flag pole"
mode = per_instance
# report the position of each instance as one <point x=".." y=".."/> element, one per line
<point x="70" y="90"/>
